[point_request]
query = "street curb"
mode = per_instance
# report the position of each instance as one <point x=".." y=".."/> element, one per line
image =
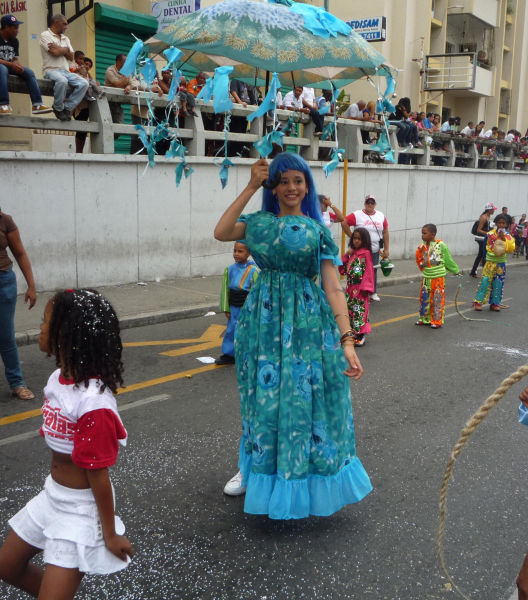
<point x="30" y="336"/>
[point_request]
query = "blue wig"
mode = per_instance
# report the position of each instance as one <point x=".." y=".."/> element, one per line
<point x="287" y="161"/>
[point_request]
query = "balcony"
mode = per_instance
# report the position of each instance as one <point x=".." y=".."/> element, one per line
<point x="457" y="72"/>
<point x="484" y="10"/>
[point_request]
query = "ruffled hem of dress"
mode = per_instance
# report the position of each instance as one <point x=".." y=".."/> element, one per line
<point x="316" y="495"/>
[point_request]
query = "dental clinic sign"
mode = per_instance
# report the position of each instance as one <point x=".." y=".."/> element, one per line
<point x="169" y="11"/>
<point x="373" y="29"/>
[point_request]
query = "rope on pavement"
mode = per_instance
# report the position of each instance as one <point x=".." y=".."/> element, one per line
<point x="470" y="427"/>
<point x="459" y="288"/>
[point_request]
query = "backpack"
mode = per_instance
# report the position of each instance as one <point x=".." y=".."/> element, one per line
<point x="474" y="229"/>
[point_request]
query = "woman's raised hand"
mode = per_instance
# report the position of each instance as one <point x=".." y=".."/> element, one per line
<point x="259" y="173"/>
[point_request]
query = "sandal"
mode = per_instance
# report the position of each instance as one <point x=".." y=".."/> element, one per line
<point x="477" y="306"/>
<point x="495" y="308"/>
<point x="22" y="392"/>
<point x="421" y="323"/>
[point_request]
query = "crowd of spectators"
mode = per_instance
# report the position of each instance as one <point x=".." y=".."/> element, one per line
<point x="74" y="88"/>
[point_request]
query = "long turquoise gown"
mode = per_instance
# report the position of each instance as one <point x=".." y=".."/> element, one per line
<point x="297" y="452"/>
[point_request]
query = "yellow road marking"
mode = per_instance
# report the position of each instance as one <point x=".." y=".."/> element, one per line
<point x="29" y="414"/>
<point x="395" y="296"/>
<point x="167" y="378"/>
<point x="213" y="332"/>
<point x="409" y="316"/>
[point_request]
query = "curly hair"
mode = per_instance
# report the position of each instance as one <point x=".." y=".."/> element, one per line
<point x="84" y="337"/>
<point x="287" y="161"/>
<point x="364" y="236"/>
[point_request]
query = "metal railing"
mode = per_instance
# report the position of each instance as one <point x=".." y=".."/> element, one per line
<point x="438" y="149"/>
<point x="450" y="71"/>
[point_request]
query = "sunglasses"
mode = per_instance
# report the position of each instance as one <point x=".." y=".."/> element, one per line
<point x="370" y="201"/>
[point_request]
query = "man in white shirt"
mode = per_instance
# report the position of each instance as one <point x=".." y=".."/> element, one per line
<point x="294" y="101"/>
<point x="355" y="111"/>
<point x="491" y="133"/>
<point x="468" y="130"/>
<point x="447" y="126"/>
<point x="375" y="223"/>
<point x="57" y="53"/>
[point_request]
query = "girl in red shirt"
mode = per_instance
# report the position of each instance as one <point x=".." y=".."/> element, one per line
<point x="72" y="521"/>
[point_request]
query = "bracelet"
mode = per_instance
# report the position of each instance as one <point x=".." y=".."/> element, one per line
<point x="343" y="315"/>
<point x="346" y="335"/>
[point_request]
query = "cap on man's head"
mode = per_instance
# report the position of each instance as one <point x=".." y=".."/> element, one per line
<point x="490" y="206"/>
<point x="370" y="197"/>
<point x="8" y="20"/>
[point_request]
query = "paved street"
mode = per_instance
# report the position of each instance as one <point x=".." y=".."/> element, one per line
<point x="419" y="388"/>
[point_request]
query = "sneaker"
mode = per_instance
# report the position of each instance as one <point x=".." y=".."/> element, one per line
<point x="436" y="326"/>
<point x="91" y="98"/>
<point x="225" y="359"/>
<point x="374" y="297"/>
<point x="477" y="306"/>
<point x="495" y="307"/>
<point x="41" y="110"/>
<point x="421" y="323"/>
<point x="5" y="109"/>
<point x="62" y="115"/>
<point x="234" y="486"/>
<point x="360" y="340"/>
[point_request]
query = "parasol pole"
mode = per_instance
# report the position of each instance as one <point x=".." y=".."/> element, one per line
<point x="266" y="88"/>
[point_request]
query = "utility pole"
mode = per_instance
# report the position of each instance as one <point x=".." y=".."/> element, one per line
<point x="326" y="5"/>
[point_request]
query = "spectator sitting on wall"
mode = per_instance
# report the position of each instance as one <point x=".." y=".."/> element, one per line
<point x="9" y="65"/>
<point x="78" y="66"/>
<point x="325" y="99"/>
<point x="458" y="122"/>
<point x="81" y="113"/>
<point x="195" y="86"/>
<point x="56" y="51"/>
<point x="240" y="94"/>
<point x="421" y="121"/>
<point x="355" y="111"/>
<point x="114" y="78"/>
<point x="369" y="114"/>
<point x="428" y="121"/>
<point x="309" y="102"/>
<point x="436" y="122"/>
<point x="468" y="130"/>
<point x="491" y="134"/>
<point x="293" y="100"/>
<point x="407" y="132"/>
<point x="448" y="126"/>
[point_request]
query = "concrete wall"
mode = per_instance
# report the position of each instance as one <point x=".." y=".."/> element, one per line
<point x="94" y="220"/>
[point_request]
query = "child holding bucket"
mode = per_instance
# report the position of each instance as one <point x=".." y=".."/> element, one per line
<point x="359" y="271"/>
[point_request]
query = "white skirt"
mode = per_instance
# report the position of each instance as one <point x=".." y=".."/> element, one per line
<point x="64" y="522"/>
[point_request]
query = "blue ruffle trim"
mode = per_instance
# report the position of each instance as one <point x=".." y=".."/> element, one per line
<point x="298" y="498"/>
<point x="523" y="414"/>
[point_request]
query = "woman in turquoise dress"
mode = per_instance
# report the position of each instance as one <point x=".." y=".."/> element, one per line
<point x="294" y="351"/>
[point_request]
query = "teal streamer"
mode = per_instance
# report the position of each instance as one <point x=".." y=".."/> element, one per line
<point x="175" y="84"/>
<point x="270" y="101"/>
<point x="176" y="150"/>
<point x="382" y="145"/>
<point x="224" y="171"/>
<point x="263" y="146"/>
<point x="148" y="72"/>
<point x="388" y="105"/>
<point x="129" y="68"/>
<point x="172" y="55"/>
<point x="328" y="131"/>
<point x="330" y="167"/>
<point x="207" y="91"/>
<point x="182" y="169"/>
<point x="221" y="100"/>
<point x="148" y="143"/>
<point x="320" y="22"/>
<point x="389" y="156"/>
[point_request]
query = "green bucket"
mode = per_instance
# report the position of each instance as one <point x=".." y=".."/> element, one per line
<point x="386" y="267"/>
